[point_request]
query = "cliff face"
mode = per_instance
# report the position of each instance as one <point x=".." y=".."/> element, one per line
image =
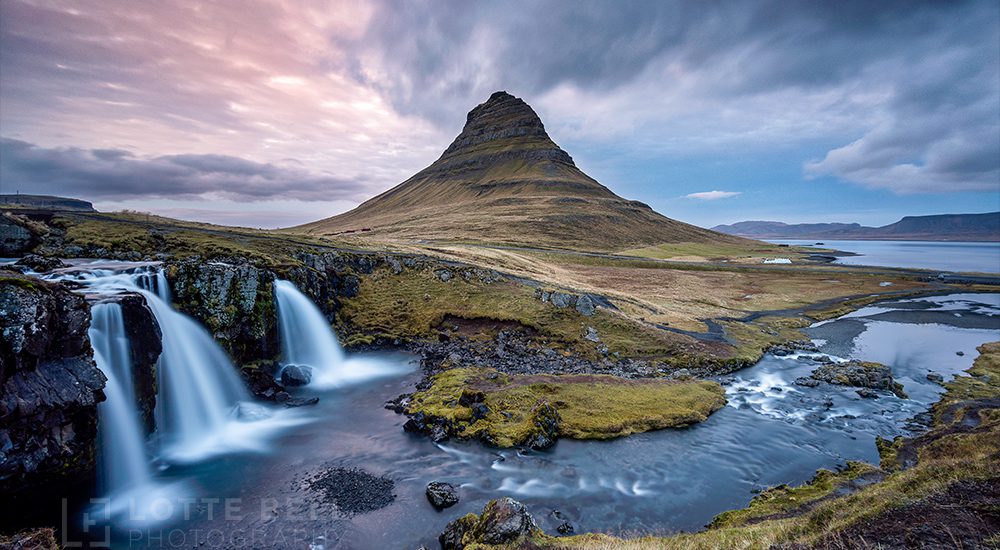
<point x="49" y="385"/>
<point x="235" y="302"/>
<point x="503" y="180"/>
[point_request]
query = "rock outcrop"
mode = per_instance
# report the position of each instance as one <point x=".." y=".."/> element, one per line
<point x="16" y="236"/>
<point x="49" y="385"/>
<point x="503" y="521"/>
<point x="234" y="301"/>
<point x="860" y="374"/>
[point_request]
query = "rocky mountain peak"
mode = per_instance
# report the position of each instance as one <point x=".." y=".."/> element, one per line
<point x="507" y="119"/>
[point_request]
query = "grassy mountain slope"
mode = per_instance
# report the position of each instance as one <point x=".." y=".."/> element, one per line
<point x="504" y="181"/>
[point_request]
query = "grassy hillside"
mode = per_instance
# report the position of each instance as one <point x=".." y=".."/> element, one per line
<point x="504" y="181"/>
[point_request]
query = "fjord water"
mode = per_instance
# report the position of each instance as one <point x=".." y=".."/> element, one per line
<point x="982" y="257"/>
<point x="771" y="432"/>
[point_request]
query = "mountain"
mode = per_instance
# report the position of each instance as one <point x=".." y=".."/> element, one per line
<point x="941" y="227"/>
<point x="504" y="181"/>
<point x="45" y="202"/>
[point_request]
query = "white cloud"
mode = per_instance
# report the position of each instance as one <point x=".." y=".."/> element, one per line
<point x="712" y="195"/>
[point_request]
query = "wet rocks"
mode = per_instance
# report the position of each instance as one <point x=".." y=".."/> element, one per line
<point x="296" y="375"/>
<point x="935" y="377"/>
<point x="859" y="374"/>
<point x="866" y="393"/>
<point x="49" y="386"/>
<point x="442" y="495"/>
<point x="437" y="428"/>
<point x="546" y="428"/>
<point x="39" y="264"/>
<point x="503" y="521"/>
<point x="806" y="381"/>
<point x="453" y="536"/>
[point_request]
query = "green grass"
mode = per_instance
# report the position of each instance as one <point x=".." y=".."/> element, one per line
<point x="590" y="406"/>
<point x="716" y="251"/>
<point x="784" y="499"/>
<point x="413" y="304"/>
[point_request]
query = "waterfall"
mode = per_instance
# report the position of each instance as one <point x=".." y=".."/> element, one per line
<point x="306" y="336"/>
<point x="124" y="464"/>
<point x="202" y="405"/>
<point x="307" y="339"/>
<point x="198" y="385"/>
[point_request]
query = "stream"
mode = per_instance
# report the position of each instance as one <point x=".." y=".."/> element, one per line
<point x="256" y="493"/>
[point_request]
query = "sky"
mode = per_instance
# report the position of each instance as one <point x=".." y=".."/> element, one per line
<point x="275" y="113"/>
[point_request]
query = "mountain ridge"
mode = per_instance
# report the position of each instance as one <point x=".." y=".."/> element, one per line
<point x="503" y="180"/>
<point x="984" y="227"/>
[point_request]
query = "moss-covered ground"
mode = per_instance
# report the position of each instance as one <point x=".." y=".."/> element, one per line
<point x="590" y="406"/>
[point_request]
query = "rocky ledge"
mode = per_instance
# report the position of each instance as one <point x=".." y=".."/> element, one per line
<point x="861" y="374"/>
<point x="49" y="385"/>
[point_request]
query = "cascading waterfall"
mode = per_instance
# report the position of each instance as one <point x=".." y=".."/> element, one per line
<point x="124" y="464"/>
<point x="202" y="405"/>
<point x="198" y="385"/>
<point x="306" y="337"/>
<point x="308" y="340"/>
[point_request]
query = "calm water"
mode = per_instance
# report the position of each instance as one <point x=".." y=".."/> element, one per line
<point x="951" y="256"/>
<point x="771" y="432"/>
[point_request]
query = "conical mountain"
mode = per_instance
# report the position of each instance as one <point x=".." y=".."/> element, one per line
<point x="504" y="181"/>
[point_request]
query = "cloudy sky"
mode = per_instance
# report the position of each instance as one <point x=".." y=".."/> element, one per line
<point x="272" y="113"/>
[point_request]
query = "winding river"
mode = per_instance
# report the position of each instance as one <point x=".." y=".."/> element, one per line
<point x="772" y="431"/>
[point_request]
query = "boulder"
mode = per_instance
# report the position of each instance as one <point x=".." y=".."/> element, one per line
<point x="442" y="495"/>
<point x="296" y="375"/>
<point x="546" y="428"/>
<point x="585" y="305"/>
<point x="807" y="382"/>
<point x="503" y="520"/>
<point x="453" y="537"/>
<point x="935" y="377"/>
<point x="39" y="264"/>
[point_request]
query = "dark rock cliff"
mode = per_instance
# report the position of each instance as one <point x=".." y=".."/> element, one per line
<point x="145" y="346"/>
<point x="235" y="301"/>
<point x="49" y="385"/>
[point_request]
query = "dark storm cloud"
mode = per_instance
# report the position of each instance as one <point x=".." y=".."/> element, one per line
<point x="935" y="62"/>
<point x="116" y="175"/>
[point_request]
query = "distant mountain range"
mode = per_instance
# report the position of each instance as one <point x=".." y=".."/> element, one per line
<point x="503" y="180"/>
<point x="941" y="227"/>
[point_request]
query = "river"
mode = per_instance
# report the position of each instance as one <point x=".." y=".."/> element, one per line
<point x="771" y="432"/>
